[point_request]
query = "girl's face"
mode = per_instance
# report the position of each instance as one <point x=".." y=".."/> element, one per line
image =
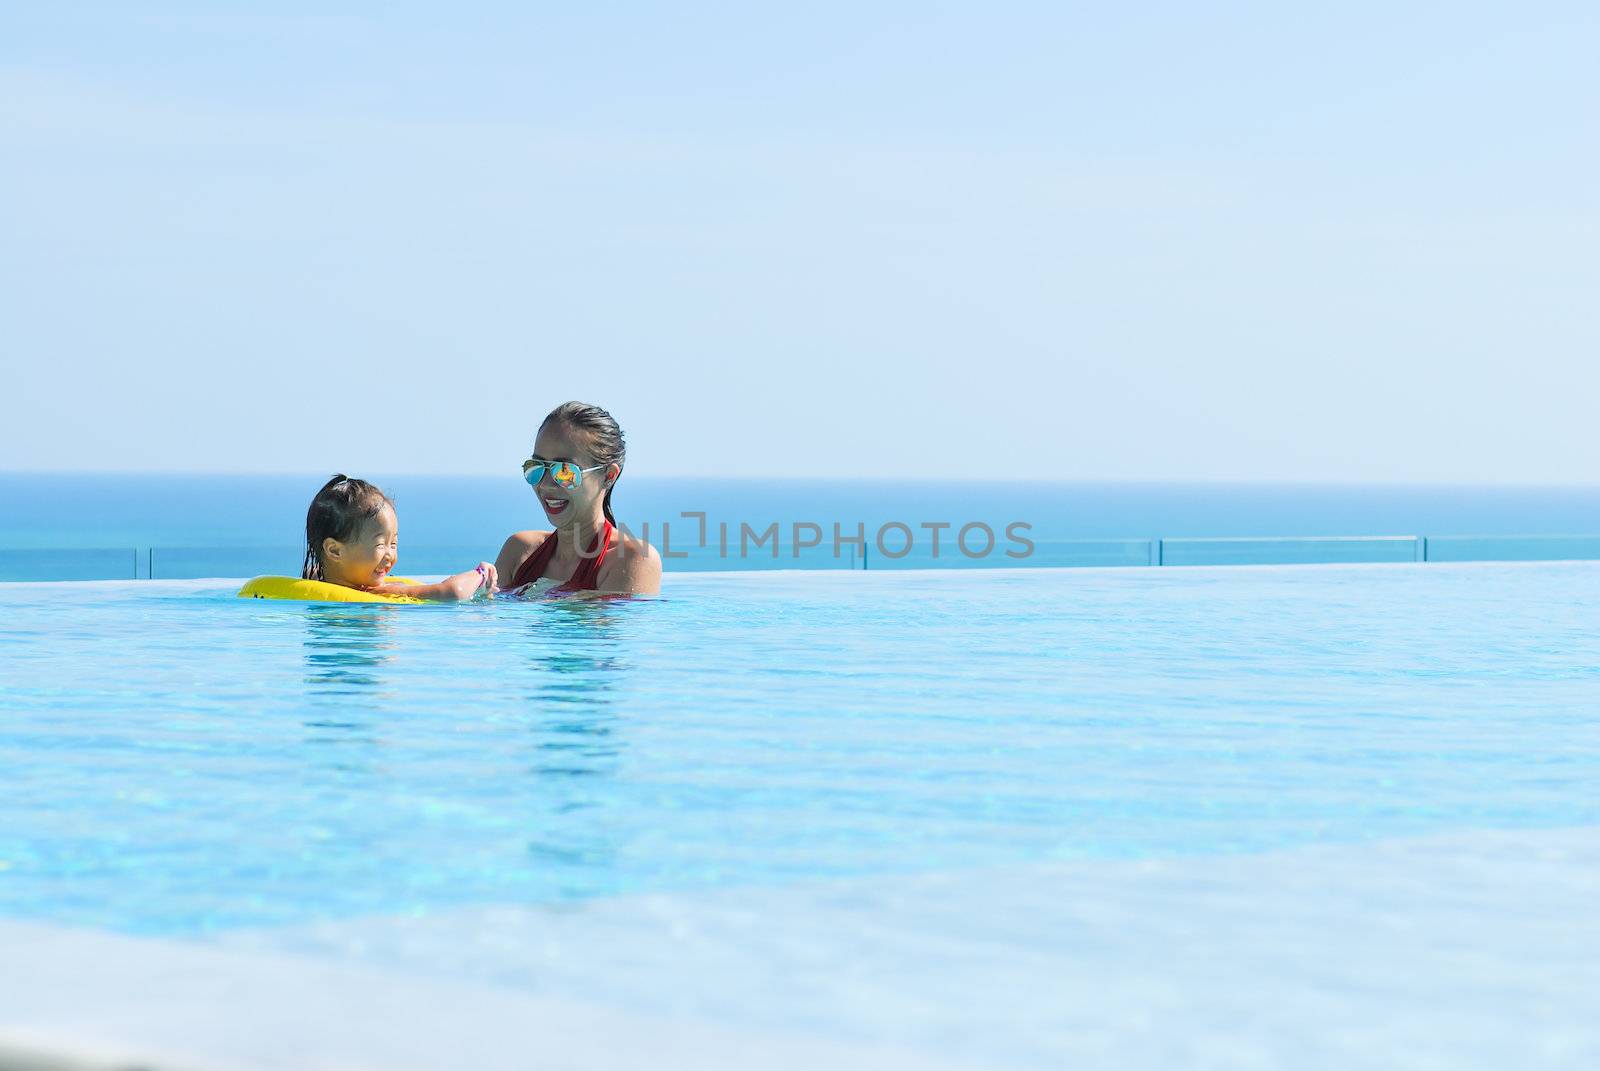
<point x="565" y="505"/>
<point x="369" y="555"/>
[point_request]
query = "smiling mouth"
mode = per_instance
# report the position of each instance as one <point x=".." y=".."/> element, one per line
<point x="555" y="505"/>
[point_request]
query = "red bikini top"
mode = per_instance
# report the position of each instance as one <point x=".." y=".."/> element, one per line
<point x="584" y="578"/>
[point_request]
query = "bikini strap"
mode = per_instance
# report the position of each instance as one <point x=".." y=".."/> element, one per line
<point x="532" y="567"/>
<point x="587" y="577"/>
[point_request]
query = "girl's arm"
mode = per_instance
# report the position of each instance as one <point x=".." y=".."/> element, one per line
<point x="458" y="588"/>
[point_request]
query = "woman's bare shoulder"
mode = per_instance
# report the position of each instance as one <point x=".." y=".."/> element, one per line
<point x="634" y="566"/>
<point x="517" y="547"/>
<point x="528" y="540"/>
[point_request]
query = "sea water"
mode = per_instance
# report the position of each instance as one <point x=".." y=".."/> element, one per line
<point x="118" y="527"/>
<point x="109" y="510"/>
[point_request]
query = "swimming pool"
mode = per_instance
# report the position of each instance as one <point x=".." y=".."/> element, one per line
<point x="347" y="780"/>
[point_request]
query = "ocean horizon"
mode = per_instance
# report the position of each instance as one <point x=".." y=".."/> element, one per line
<point x="93" y="510"/>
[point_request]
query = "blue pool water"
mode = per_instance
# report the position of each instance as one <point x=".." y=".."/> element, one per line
<point x="179" y="761"/>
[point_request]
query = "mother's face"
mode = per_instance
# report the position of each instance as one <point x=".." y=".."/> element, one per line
<point x="563" y="504"/>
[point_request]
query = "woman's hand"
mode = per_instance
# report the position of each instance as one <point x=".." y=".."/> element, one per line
<point x="464" y="586"/>
<point x="491" y="577"/>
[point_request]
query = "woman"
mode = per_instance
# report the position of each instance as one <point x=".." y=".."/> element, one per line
<point x="577" y="460"/>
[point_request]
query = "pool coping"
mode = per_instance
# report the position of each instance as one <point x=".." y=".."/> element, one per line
<point x="1351" y="950"/>
<point x="309" y="1013"/>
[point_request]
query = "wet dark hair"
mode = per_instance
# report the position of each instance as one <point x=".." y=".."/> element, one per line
<point x="606" y="443"/>
<point x="338" y="512"/>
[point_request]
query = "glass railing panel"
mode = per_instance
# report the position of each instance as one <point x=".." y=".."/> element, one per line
<point x="112" y="563"/>
<point x="1302" y="551"/>
<point x="712" y="558"/>
<point x="1513" y="548"/>
<point x="195" y="563"/>
<point x="180" y="563"/>
<point x="1003" y="554"/>
<point x="192" y="563"/>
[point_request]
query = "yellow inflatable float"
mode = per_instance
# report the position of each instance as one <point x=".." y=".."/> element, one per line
<point x="286" y="587"/>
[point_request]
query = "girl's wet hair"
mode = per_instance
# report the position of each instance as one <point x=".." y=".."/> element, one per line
<point x="338" y="512"/>
<point x="606" y="443"/>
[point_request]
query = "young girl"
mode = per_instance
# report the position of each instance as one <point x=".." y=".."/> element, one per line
<point x="352" y="539"/>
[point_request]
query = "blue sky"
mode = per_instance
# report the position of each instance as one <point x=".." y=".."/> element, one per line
<point x="1234" y="241"/>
